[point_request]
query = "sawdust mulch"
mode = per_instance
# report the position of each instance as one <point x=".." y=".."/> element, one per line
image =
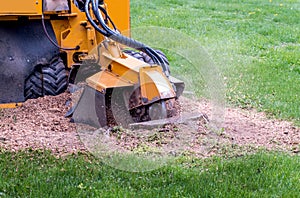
<point x="40" y="124"/>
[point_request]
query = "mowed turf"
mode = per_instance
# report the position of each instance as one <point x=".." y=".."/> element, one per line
<point x="255" y="44"/>
<point x="39" y="174"/>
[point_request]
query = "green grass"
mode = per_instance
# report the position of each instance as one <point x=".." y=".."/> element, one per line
<point x="254" y="44"/>
<point x="39" y="174"/>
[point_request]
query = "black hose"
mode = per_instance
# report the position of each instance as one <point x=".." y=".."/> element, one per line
<point x="54" y="43"/>
<point x="108" y="18"/>
<point x="49" y="37"/>
<point x="116" y="36"/>
<point x="87" y="13"/>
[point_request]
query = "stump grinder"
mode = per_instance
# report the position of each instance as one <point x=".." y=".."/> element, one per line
<point x="47" y="45"/>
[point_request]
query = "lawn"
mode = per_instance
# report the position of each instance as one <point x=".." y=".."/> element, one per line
<point x="255" y="45"/>
<point x="39" y="174"/>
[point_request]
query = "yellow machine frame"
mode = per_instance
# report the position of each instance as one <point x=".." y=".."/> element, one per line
<point x="72" y="29"/>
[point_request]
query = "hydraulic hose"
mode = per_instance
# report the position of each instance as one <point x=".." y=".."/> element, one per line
<point x="49" y="37"/>
<point x="116" y="36"/>
<point x="87" y="13"/>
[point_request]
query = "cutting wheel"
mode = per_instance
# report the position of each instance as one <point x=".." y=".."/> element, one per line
<point x="158" y="111"/>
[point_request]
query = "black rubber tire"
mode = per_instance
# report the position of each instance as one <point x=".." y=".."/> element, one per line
<point x="135" y="54"/>
<point x="49" y="79"/>
<point x="34" y="85"/>
<point x="147" y="59"/>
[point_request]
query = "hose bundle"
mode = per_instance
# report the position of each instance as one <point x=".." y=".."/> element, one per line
<point x="104" y="29"/>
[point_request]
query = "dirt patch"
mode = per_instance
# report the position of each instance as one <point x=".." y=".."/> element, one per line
<point x="252" y="127"/>
<point x="249" y="129"/>
<point x="40" y="124"/>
